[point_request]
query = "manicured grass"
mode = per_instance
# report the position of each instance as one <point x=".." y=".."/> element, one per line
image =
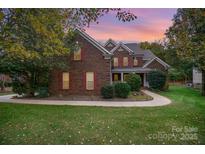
<point x="41" y="124"/>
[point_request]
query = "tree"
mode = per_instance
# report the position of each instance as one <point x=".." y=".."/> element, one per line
<point x="187" y="37"/>
<point x="165" y="52"/>
<point x="33" y="40"/>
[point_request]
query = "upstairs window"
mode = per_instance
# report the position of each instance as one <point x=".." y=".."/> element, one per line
<point x="135" y="61"/>
<point x="77" y="54"/>
<point x="125" y="61"/>
<point x="89" y="80"/>
<point x="115" y="60"/>
<point x="65" y="78"/>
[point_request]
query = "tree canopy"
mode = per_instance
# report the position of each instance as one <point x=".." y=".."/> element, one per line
<point x="156" y="47"/>
<point x="33" y="40"/>
<point x="186" y="37"/>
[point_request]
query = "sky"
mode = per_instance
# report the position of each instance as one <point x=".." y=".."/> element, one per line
<point x="150" y="25"/>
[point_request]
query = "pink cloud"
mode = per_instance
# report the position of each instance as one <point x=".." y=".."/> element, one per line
<point x="136" y="33"/>
<point x="150" y="26"/>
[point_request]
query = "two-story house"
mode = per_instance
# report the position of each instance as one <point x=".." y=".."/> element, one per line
<point x="94" y="65"/>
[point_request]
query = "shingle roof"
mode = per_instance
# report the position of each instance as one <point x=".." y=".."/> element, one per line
<point x="147" y="54"/>
<point x="128" y="70"/>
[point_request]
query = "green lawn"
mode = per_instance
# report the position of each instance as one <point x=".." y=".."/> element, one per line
<point x="41" y="124"/>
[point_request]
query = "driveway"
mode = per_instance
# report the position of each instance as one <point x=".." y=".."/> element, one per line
<point x="158" y="100"/>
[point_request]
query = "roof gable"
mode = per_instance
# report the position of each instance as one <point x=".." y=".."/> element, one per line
<point x="120" y="47"/>
<point x="158" y="60"/>
<point x="110" y="42"/>
<point x="93" y="42"/>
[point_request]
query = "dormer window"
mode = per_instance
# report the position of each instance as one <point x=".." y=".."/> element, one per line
<point x="115" y="60"/>
<point x="77" y="54"/>
<point x="135" y="61"/>
<point x="125" y="61"/>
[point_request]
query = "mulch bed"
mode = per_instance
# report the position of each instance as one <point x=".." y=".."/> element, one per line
<point x="134" y="96"/>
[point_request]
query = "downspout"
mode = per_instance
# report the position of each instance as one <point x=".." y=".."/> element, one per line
<point x="110" y="70"/>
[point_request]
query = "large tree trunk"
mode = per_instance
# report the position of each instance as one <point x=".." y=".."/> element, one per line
<point x="203" y="82"/>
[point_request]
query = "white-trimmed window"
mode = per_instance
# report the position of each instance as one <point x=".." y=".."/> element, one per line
<point x="115" y="62"/>
<point x="135" y="61"/>
<point x="125" y="61"/>
<point x="116" y="77"/>
<point x="77" y="54"/>
<point x="65" y="79"/>
<point x="90" y="80"/>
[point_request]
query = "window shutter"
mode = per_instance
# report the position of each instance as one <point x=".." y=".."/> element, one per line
<point x="95" y="83"/>
<point x="84" y="80"/>
<point x="60" y="80"/>
<point x="70" y="80"/>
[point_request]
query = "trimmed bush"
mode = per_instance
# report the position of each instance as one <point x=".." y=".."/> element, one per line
<point x="122" y="90"/>
<point x="19" y="87"/>
<point x="107" y="91"/>
<point x="134" y="81"/>
<point x="157" y="80"/>
<point x="42" y="92"/>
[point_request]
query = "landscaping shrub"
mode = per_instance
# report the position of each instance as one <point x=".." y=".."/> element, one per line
<point x="19" y="87"/>
<point x="42" y="92"/>
<point x="107" y="91"/>
<point x="157" y="80"/>
<point x="134" y="81"/>
<point x="122" y="90"/>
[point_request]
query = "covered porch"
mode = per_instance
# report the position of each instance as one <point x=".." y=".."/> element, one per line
<point x="120" y="74"/>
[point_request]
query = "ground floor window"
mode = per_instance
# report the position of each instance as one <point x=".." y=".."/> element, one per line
<point x="65" y="78"/>
<point x="90" y="80"/>
<point x="125" y="76"/>
<point x="116" y="77"/>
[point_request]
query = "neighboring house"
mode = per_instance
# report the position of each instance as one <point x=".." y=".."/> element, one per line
<point x="95" y="65"/>
<point x="197" y="78"/>
<point x="4" y="80"/>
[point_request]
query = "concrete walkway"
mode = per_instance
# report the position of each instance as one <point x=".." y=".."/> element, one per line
<point x="158" y="100"/>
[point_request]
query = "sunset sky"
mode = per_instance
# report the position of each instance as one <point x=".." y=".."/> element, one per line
<point x="150" y="25"/>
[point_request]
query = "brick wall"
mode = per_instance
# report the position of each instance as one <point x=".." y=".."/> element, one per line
<point x="156" y="65"/>
<point x="92" y="61"/>
<point x="125" y="53"/>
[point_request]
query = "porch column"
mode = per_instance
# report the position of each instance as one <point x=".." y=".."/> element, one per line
<point x="111" y="78"/>
<point x="122" y="77"/>
<point x="145" y="80"/>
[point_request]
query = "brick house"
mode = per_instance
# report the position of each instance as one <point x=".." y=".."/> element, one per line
<point x="94" y="65"/>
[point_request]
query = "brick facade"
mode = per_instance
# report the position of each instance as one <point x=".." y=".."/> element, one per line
<point x="96" y="59"/>
<point x="92" y="61"/>
<point x="124" y="53"/>
<point x="156" y="65"/>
